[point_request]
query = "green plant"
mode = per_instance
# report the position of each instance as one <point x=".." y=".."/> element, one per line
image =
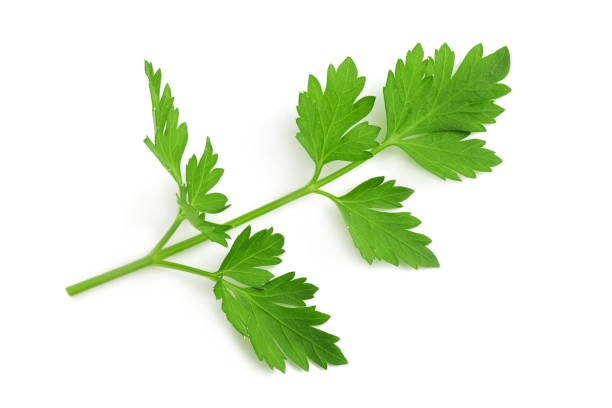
<point x="431" y="112"/>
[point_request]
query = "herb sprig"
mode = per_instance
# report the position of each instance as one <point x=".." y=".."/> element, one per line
<point x="431" y="111"/>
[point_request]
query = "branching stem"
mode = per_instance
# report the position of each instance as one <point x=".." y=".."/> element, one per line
<point x="158" y="253"/>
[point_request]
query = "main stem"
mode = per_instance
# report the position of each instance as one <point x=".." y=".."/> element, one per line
<point x="157" y="255"/>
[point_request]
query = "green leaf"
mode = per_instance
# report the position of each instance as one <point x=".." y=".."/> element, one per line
<point x="384" y="235"/>
<point x="427" y="105"/>
<point x="272" y="314"/>
<point x="195" y="201"/>
<point x="170" y="137"/>
<point x="277" y="322"/>
<point x="212" y="231"/>
<point x="325" y="117"/>
<point x="201" y="177"/>
<point x="448" y="154"/>
<point x="249" y="253"/>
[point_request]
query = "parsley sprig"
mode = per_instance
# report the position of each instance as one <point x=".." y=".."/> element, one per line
<point x="431" y="111"/>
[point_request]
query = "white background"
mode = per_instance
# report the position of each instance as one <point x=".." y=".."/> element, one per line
<point x="519" y="314"/>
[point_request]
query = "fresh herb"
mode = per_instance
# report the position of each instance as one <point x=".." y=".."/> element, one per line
<point x="431" y="111"/>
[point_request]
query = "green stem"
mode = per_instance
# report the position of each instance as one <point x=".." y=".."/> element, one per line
<point x="186" y="268"/>
<point x="156" y="256"/>
<point x="177" y="222"/>
<point x="197" y="239"/>
<point x="326" y="194"/>
<point x="110" y="275"/>
<point x="317" y="173"/>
